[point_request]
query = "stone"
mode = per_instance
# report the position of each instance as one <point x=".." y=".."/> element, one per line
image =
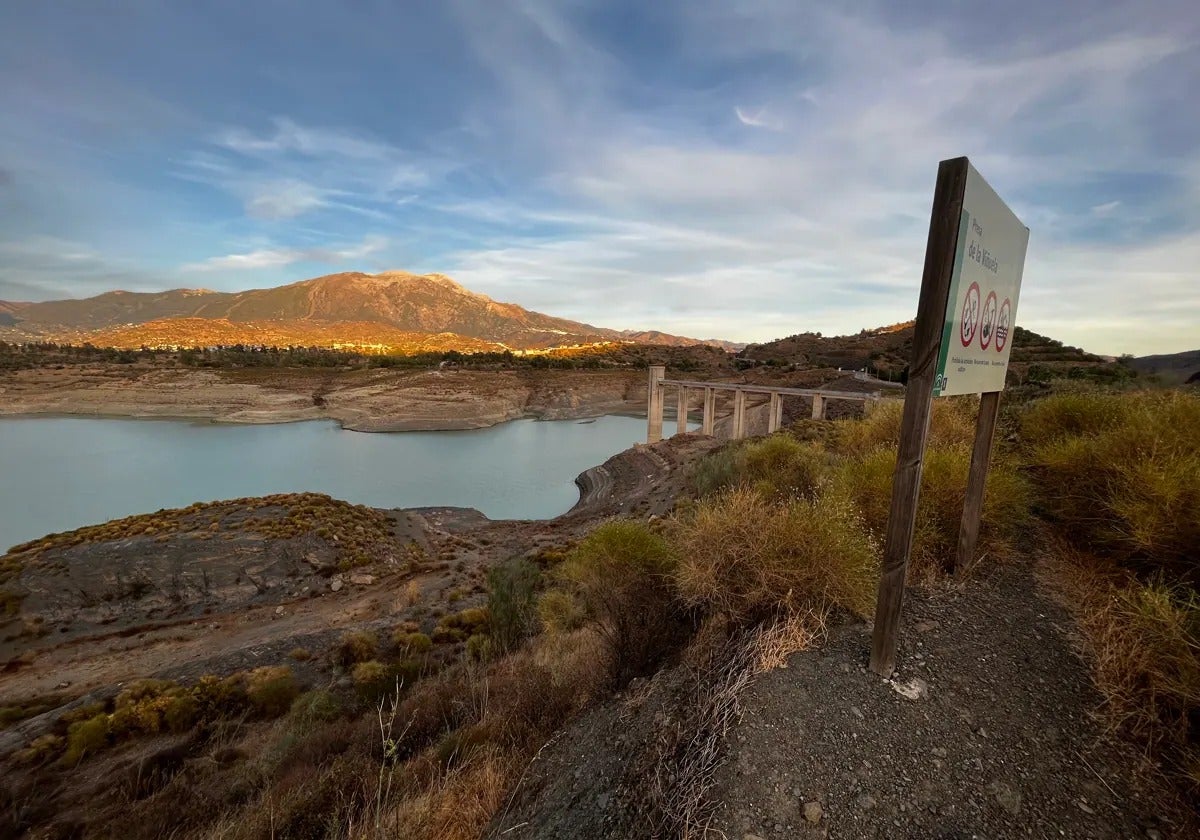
<point x="335" y="584"/>
<point x="866" y="802"/>
<point x="1009" y="799"/>
<point x="279" y="611"/>
<point x="751" y="837"/>
<point x="813" y="812"/>
<point x="914" y="689"/>
<point x="362" y="580"/>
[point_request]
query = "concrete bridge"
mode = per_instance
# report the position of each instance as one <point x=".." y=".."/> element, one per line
<point x="683" y="388"/>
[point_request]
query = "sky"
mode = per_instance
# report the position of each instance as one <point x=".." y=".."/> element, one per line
<point x="743" y="170"/>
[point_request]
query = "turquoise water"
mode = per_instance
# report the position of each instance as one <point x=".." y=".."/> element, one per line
<point x="62" y="473"/>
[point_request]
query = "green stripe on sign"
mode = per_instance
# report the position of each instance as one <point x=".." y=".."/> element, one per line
<point x="952" y="302"/>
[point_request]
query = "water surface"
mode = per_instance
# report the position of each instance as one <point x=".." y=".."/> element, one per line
<point x="62" y="473"/>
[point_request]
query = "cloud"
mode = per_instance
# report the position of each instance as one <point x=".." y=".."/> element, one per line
<point x="277" y="257"/>
<point x="1105" y="209"/>
<point x="283" y="200"/>
<point x="755" y="120"/>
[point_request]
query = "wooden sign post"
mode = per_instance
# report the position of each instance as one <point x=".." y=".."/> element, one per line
<point x="974" y="258"/>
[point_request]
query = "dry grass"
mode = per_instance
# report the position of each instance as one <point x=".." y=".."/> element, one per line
<point x="1143" y="640"/>
<point x="952" y="423"/>
<point x="1121" y="473"/>
<point x="778" y="466"/>
<point x="867" y="482"/>
<point x="746" y="557"/>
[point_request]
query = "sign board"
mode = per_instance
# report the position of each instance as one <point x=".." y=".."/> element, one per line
<point x="982" y="305"/>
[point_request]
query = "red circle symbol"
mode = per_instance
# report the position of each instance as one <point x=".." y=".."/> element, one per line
<point x="988" y="319"/>
<point x="1003" y="326"/>
<point x="968" y="321"/>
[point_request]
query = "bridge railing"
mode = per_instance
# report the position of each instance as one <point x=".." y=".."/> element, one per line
<point x="683" y="388"/>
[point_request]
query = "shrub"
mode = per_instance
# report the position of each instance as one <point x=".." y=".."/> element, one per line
<point x="300" y="654"/>
<point x="481" y="647"/>
<point x="318" y="706"/>
<point x="410" y="643"/>
<point x="355" y="647"/>
<point x="373" y="678"/>
<point x="559" y="612"/>
<point x="511" y="593"/>
<point x="1121" y="474"/>
<point x="620" y="574"/>
<point x="41" y="749"/>
<point x="85" y="737"/>
<point x="867" y="480"/>
<point x="746" y="557"/>
<point x="1144" y="640"/>
<point x="778" y="466"/>
<point x="952" y="422"/>
<point x="271" y="689"/>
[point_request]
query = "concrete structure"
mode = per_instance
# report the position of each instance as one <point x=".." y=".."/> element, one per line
<point x="658" y="383"/>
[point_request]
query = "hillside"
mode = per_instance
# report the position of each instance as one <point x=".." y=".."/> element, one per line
<point x="1172" y="367"/>
<point x="317" y="311"/>
<point x="885" y="352"/>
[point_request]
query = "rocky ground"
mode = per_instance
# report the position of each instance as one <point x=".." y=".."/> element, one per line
<point x="986" y="731"/>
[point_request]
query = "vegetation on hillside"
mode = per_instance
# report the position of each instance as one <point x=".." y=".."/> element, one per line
<point x="782" y="532"/>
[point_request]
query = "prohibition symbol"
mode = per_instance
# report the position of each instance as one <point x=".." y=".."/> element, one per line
<point x="969" y="320"/>
<point x="989" y="321"/>
<point x="1002" y="326"/>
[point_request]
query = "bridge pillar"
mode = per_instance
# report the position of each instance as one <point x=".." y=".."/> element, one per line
<point x="739" y="414"/>
<point x="681" y="410"/>
<point x="710" y="411"/>
<point x="654" y="404"/>
<point x="818" y="412"/>
<point x="775" y="416"/>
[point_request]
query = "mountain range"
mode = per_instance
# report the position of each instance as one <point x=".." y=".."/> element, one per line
<point x="391" y="311"/>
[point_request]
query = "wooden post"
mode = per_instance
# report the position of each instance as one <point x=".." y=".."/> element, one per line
<point x="775" y="416"/>
<point x="981" y="455"/>
<point x="654" y="404"/>
<point x="739" y="414"/>
<point x="710" y="411"/>
<point x="818" y="407"/>
<point x="681" y="410"/>
<point x="914" y="424"/>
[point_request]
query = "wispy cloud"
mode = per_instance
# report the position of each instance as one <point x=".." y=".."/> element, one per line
<point x="276" y="257"/>
<point x="757" y="119"/>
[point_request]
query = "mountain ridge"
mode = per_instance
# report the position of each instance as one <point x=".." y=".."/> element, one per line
<point x="413" y="304"/>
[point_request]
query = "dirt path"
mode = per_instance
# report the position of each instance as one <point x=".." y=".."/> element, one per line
<point x="1001" y="744"/>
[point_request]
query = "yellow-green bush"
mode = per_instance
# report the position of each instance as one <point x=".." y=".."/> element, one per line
<point x="746" y="557"/>
<point x="411" y="643"/>
<point x="777" y="466"/>
<point x="952" y="422"/>
<point x="1121" y="473"/>
<point x="866" y="481"/>
<point x="620" y="576"/>
<point x="271" y="689"/>
<point x="559" y="612"/>
<point x="355" y="647"/>
<point x="85" y="737"/>
<point x="373" y="678"/>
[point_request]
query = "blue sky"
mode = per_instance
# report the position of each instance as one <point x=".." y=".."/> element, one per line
<point x="741" y="170"/>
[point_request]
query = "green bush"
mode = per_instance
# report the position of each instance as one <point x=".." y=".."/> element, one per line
<point x="511" y="602"/>
<point x="316" y="706"/>
<point x="373" y="679"/>
<point x="777" y="466"/>
<point x="621" y="576"/>
<point x="745" y="557"/>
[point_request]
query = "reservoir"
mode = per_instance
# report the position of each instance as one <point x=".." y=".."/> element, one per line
<point x="57" y="474"/>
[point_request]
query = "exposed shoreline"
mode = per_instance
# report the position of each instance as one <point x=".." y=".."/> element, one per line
<point x="363" y="401"/>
